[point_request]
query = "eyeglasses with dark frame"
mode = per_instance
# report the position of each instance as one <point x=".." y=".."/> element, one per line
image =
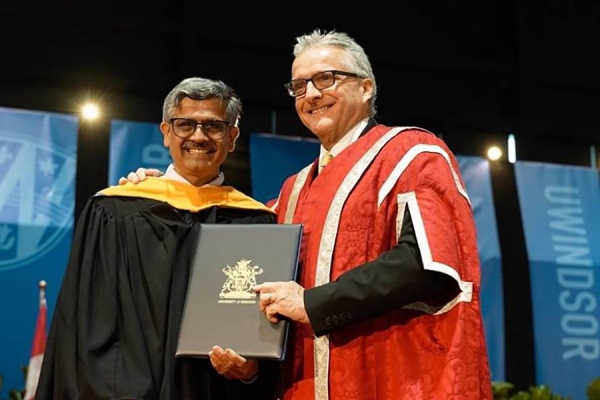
<point x="213" y="129"/>
<point x="321" y="80"/>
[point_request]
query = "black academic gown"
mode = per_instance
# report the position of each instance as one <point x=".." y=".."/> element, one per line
<point x="116" y="321"/>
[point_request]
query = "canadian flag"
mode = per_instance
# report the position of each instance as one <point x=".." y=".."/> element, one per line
<point x="38" y="347"/>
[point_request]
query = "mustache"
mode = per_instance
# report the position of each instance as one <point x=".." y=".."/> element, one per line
<point x="190" y="145"/>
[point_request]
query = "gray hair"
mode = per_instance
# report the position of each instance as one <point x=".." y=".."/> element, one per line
<point x="356" y="60"/>
<point x="204" y="89"/>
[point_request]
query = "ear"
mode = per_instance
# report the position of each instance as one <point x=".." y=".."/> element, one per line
<point x="165" y="129"/>
<point x="367" y="88"/>
<point x="234" y="133"/>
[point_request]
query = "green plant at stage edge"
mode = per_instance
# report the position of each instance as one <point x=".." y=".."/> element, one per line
<point x="506" y="391"/>
<point x="15" y="394"/>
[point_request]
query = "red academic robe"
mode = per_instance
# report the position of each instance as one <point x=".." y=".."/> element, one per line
<point x="352" y="212"/>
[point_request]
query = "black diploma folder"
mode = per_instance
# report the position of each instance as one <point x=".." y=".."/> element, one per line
<point x="220" y="307"/>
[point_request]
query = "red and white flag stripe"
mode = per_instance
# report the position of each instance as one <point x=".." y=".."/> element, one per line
<point x="38" y="347"/>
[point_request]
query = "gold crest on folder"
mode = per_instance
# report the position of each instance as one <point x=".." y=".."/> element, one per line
<point x="237" y="288"/>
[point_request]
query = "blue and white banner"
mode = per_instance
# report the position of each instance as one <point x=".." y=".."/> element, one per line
<point x="37" y="198"/>
<point x="477" y="178"/>
<point x="560" y="207"/>
<point x="274" y="158"/>
<point x="134" y="145"/>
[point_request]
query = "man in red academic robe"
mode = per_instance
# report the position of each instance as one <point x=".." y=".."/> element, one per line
<point x="387" y="304"/>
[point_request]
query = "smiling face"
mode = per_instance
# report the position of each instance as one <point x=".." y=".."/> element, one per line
<point x="330" y="113"/>
<point x="198" y="158"/>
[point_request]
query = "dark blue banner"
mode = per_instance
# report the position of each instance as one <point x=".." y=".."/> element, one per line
<point x="37" y="196"/>
<point x="274" y="158"/>
<point x="560" y="207"/>
<point x="134" y="145"/>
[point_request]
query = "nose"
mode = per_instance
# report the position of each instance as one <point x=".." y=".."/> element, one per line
<point x="312" y="91"/>
<point x="201" y="135"/>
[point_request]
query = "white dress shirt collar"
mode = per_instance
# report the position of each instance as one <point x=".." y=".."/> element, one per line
<point x="174" y="176"/>
<point x="349" y="138"/>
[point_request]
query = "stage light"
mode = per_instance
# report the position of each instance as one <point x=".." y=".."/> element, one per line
<point x="494" y="153"/>
<point x="90" y="111"/>
<point x="512" y="149"/>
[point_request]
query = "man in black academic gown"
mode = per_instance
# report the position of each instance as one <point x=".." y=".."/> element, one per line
<point x="117" y="318"/>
